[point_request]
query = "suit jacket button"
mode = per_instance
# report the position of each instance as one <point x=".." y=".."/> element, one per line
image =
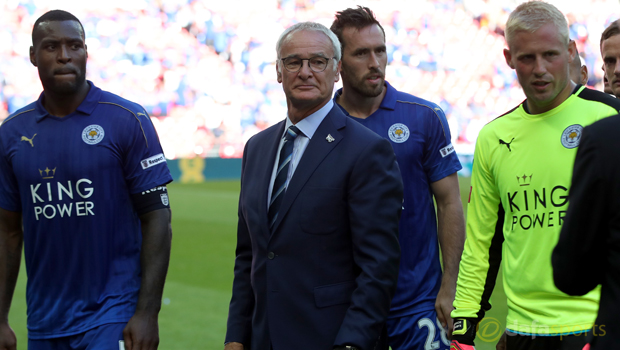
<point x="271" y="255"/>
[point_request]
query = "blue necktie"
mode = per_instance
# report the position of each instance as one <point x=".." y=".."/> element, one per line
<point x="279" y="184"/>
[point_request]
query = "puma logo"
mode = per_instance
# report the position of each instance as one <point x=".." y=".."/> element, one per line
<point x="24" y="138"/>
<point x="140" y="113"/>
<point x="502" y="142"/>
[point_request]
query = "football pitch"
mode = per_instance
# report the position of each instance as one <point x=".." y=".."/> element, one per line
<point x="199" y="282"/>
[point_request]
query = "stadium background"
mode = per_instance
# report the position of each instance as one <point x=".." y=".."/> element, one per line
<point x="205" y="72"/>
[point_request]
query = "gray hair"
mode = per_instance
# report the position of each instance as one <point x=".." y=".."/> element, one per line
<point x="531" y="15"/>
<point x="286" y="36"/>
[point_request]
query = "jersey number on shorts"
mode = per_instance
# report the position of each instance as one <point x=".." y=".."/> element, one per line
<point x="430" y="344"/>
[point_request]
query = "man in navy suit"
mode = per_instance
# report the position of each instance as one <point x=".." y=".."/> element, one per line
<point x="317" y="242"/>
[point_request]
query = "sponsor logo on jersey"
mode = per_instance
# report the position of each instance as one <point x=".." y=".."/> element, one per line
<point x="502" y="142"/>
<point x="62" y="199"/>
<point x="24" y="138"/>
<point x="49" y="173"/>
<point x="571" y="136"/>
<point x="535" y="206"/>
<point x="164" y="198"/>
<point x="140" y="113"/>
<point x="524" y="180"/>
<point x="398" y="133"/>
<point x="93" y="134"/>
<point x="446" y="150"/>
<point x="152" y="161"/>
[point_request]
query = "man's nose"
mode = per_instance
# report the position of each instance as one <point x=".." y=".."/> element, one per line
<point x="305" y="72"/>
<point x="617" y="66"/>
<point x="373" y="61"/>
<point x="63" y="54"/>
<point x="539" y="66"/>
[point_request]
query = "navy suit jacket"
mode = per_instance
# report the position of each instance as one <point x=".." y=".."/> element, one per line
<point x="326" y="273"/>
<point x="588" y="251"/>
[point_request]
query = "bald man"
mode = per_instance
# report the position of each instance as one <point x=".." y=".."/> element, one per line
<point x="578" y="72"/>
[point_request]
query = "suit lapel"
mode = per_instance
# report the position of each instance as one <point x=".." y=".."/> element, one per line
<point x="318" y="148"/>
<point x="270" y="153"/>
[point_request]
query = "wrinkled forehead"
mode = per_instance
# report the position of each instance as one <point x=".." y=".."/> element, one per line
<point x="306" y="42"/>
<point x="68" y="29"/>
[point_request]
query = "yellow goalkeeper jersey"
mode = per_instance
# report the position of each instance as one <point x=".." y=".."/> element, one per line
<point x="520" y="181"/>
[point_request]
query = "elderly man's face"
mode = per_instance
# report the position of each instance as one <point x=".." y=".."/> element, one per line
<point x="307" y="89"/>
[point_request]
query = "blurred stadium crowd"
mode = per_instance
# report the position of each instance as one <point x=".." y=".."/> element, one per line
<point x="205" y="71"/>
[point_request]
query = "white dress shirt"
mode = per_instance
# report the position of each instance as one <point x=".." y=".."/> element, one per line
<point x="308" y="127"/>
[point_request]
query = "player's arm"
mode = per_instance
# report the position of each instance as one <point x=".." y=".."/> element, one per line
<point x="142" y="331"/>
<point x="11" y="239"/>
<point x="440" y="164"/>
<point x="451" y="234"/>
<point x="482" y="250"/>
<point x="579" y="258"/>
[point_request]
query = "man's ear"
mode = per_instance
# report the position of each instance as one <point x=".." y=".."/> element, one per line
<point x="32" y="58"/>
<point x="338" y="70"/>
<point x="278" y="72"/>
<point x="584" y="75"/>
<point x="508" y="57"/>
<point x="572" y="50"/>
<point x="86" y="49"/>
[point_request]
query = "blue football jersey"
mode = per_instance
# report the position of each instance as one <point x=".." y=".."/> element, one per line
<point x="419" y="133"/>
<point x="72" y="178"/>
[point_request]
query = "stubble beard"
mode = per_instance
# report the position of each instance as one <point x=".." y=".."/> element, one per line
<point x="66" y="88"/>
<point x="368" y="91"/>
<point x="364" y="89"/>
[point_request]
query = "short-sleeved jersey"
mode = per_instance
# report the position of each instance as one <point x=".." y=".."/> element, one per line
<point x="72" y="178"/>
<point x="520" y="181"/>
<point x="420" y="136"/>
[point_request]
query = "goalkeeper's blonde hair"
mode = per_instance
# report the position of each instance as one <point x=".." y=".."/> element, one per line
<point x="531" y="15"/>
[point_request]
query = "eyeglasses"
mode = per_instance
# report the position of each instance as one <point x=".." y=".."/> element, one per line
<point x="317" y="63"/>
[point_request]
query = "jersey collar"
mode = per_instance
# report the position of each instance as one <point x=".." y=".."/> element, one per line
<point x="86" y="107"/>
<point x="389" y="100"/>
<point x="576" y="90"/>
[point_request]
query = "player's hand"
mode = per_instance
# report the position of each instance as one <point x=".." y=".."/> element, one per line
<point x="142" y="332"/>
<point x="464" y="333"/>
<point x="501" y="344"/>
<point x="233" y="346"/>
<point x="455" y="345"/>
<point x="443" y="306"/>
<point x="8" y="341"/>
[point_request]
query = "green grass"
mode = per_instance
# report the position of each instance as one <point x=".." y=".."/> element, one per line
<point x="199" y="283"/>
